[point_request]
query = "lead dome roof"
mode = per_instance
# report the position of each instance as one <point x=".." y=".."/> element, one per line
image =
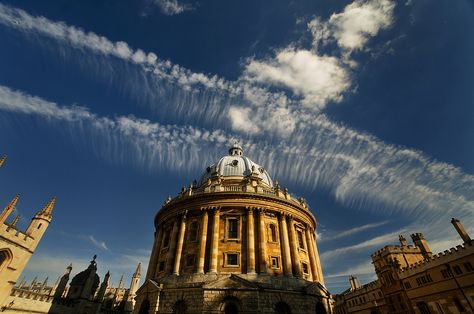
<point x="236" y="165"/>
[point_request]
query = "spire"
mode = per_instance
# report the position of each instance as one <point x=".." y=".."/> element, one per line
<point x="15" y="221"/>
<point x="2" y="160"/>
<point x="48" y="208"/>
<point x="138" y="270"/>
<point x="9" y="208"/>
<point x="120" y="284"/>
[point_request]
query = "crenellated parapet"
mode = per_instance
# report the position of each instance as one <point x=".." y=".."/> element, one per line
<point x="458" y="252"/>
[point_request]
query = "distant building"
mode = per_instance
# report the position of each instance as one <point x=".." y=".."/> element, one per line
<point x="413" y="280"/>
<point x="83" y="295"/>
<point x="16" y="247"/>
<point x="234" y="242"/>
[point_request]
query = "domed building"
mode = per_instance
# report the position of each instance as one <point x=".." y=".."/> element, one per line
<point x="234" y="242"/>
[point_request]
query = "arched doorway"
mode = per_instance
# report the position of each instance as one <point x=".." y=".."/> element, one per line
<point x="231" y="308"/>
<point x="144" y="307"/>
<point x="320" y="309"/>
<point x="230" y="305"/>
<point x="282" y="308"/>
<point x="180" y="307"/>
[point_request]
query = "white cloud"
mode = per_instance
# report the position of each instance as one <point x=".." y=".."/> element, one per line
<point x="317" y="79"/>
<point x="377" y="243"/>
<point x="352" y="28"/>
<point x="241" y="121"/>
<point x="171" y="7"/>
<point x="346" y="233"/>
<point x="360" y="269"/>
<point x="97" y="243"/>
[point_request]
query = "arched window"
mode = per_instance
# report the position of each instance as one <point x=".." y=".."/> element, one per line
<point x="282" y="308"/>
<point x="144" y="307"/>
<point x="180" y="307"/>
<point x="5" y="257"/>
<point x="193" y="231"/>
<point x="320" y="309"/>
<point x="273" y="233"/>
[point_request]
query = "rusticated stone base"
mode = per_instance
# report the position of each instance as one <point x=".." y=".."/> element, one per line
<point x="211" y="293"/>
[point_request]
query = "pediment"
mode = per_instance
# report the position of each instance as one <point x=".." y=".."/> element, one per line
<point x="149" y="287"/>
<point x="233" y="282"/>
<point x="316" y="288"/>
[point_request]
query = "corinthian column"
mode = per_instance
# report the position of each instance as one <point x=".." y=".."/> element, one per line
<point x="203" y="240"/>
<point x="215" y="243"/>
<point x="262" y="244"/>
<point x="312" y="258"/>
<point x="316" y="258"/>
<point x="250" y="242"/>
<point x="179" y="249"/>
<point x="295" y="256"/>
<point x="172" y="247"/>
<point x="155" y="254"/>
<point x="285" y="245"/>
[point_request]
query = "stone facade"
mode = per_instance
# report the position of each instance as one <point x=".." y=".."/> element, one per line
<point x="235" y="243"/>
<point x="16" y="247"/>
<point x="413" y="280"/>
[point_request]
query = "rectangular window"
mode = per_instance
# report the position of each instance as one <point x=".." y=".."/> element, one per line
<point x="232" y="259"/>
<point x="457" y="270"/>
<point x="193" y="231"/>
<point x="166" y="239"/>
<point x="468" y="267"/>
<point x="275" y="262"/>
<point x="300" y="239"/>
<point x="161" y="266"/>
<point x="190" y="260"/>
<point x="407" y="285"/>
<point x="305" y="268"/>
<point x="232" y="228"/>
<point x="446" y="273"/>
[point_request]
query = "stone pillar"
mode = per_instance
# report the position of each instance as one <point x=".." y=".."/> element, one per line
<point x="155" y="254"/>
<point x="250" y="242"/>
<point x="285" y="245"/>
<point x="203" y="239"/>
<point x="215" y="242"/>
<point x="171" y="247"/>
<point x="316" y="257"/>
<point x="312" y="258"/>
<point x="179" y="248"/>
<point x="295" y="256"/>
<point x="262" y="243"/>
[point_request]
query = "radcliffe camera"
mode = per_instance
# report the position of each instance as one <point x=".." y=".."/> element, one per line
<point x="236" y="157"/>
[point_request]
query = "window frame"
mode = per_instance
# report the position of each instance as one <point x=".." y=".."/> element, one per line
<point x="238" y="228"/>
<point x="226" y="259"/>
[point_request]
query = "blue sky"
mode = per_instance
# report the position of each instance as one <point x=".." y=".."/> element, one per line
<point x="365" y="108"/>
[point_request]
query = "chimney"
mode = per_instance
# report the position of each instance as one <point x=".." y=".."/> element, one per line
<point x="402" y="240"/>
<point x="420" y="242"/>
<point x="354" y="282"/>
<point x="461" y="231"/>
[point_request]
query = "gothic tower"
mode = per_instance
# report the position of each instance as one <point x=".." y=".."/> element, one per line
<point x="16" y="247"/>
<point x="130" y="303"/>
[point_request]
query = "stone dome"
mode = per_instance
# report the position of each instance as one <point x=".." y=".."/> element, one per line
<point x="236" y="166"/>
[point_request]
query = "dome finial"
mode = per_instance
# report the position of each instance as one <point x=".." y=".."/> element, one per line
<point x="236" y="149"/>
